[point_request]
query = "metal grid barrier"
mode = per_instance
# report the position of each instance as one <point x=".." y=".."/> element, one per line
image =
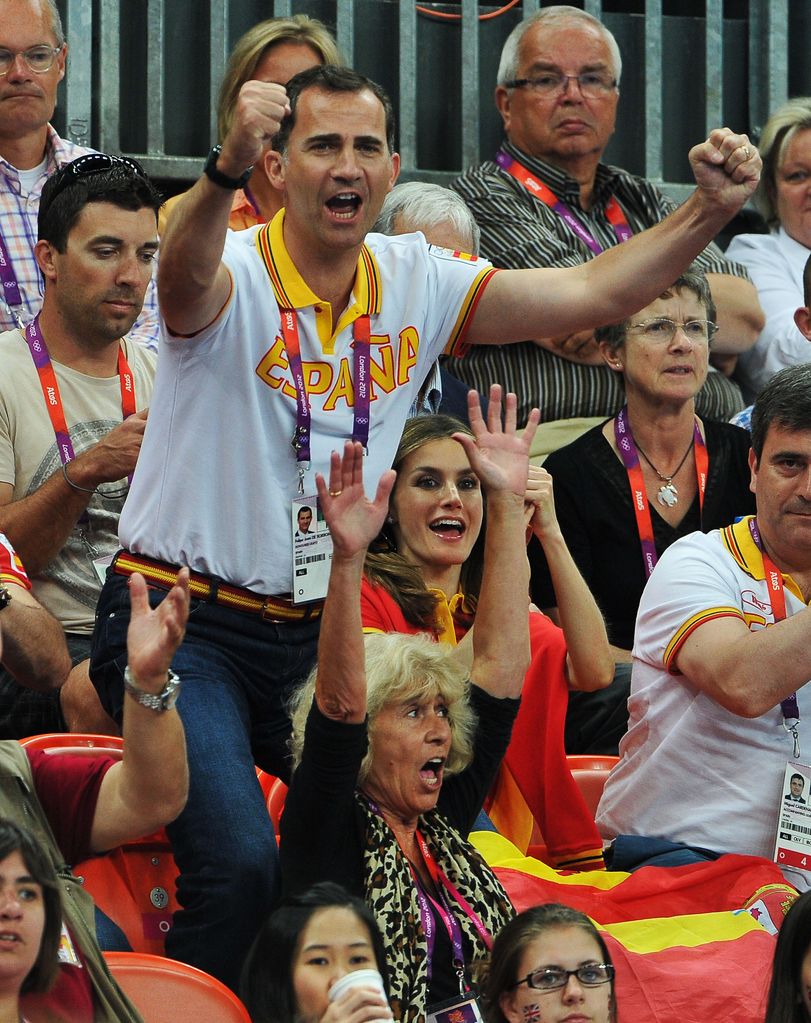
<point x="143" y="75"/>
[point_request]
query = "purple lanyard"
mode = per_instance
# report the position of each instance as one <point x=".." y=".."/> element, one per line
<point x="452" y="925"/>
<point x="533" y="184"/>
<point x="11" y="289"/>
<point x="361" y="350"/>
<point x="777" y="594"/>
<point x="254" y="204"/>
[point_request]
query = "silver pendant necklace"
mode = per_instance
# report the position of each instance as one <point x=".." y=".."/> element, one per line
<point x="668" y="495"/>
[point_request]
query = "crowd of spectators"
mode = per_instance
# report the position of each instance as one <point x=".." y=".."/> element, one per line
<point x="198" y="511"/>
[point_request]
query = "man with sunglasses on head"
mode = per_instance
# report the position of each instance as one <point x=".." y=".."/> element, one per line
<point x="33" y="54"/>
<point x="547" y="199"/>
<point x="73" y="397"/>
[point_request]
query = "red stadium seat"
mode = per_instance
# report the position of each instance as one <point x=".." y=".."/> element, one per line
<point x="276" y="798"/>
<point x="76" y="743"/>
<point x="163" y="989"/>
<point x="591" y="773"/>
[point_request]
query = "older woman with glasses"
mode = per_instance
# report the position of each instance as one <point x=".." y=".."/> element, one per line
<point x="549" y="964"/>
<point x="629" y="488"/>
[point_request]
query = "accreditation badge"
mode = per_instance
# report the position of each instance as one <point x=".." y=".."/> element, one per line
<point x="312" y="550"/>
<point x="461" y="1009"/>
<point x="793" y="844"/>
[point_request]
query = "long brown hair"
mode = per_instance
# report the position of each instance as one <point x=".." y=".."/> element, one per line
<point x="386" y="567"/>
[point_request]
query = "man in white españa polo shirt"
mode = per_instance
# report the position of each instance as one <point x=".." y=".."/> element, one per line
<point x="300" y="330"/>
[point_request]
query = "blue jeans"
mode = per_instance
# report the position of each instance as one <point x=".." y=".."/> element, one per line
<point x="237" y="673"/>
<point x="631" y="852"/>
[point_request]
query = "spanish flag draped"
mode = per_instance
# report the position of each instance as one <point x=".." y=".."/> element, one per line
<point x="685" y="947"/>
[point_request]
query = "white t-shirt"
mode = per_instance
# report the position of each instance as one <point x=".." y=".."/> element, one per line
<point x="775" y="263"/>
<point x="69" y="586"/>
<point x="217" y="472"/>
<point x="691" y="771"/>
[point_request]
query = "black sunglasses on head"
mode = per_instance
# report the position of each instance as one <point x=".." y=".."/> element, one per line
<point x="88" y="165"/>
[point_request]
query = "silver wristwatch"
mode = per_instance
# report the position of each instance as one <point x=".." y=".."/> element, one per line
<point x="164" y="700"/>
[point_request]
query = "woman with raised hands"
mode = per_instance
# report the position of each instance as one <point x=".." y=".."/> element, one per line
<point x="395" y="749"/>
<point x="423" y="574"/>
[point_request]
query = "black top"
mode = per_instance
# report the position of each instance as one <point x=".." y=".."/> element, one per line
<point x="323" y="828"/>
<point x="596" y="515"/>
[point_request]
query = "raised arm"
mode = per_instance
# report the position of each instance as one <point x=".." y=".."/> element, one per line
<point x="148" y="789"/>
<point x="589" y="662"/>
<point x="193" y="283"/>
<point x="354" y="521"/>
<point x="500" y="457"/>
<point x="555" y="302"/>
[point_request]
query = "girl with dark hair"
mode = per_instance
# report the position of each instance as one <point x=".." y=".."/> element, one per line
<point x="550" y="963"/>
<point x="30" y="920"/>
<point x="306" y="946"/>
<point x="790" y="990"/>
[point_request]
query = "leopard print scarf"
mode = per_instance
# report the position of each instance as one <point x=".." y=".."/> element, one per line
<point x="392" y="896"/>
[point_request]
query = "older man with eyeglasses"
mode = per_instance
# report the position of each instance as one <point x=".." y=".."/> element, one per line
<point x="548" y="200"/>
<point x="33" y="53"/>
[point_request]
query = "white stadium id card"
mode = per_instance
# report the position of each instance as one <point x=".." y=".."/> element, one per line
<point x="793" y="845"/>
<point x="312" y="550"/>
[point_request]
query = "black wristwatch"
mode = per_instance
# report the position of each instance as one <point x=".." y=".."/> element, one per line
<point x="5" y="597"/>
<point x="159" y="702"/>
<point x="213" y="173"/>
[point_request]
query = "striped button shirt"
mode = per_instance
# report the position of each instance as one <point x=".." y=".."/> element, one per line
<point x="520" y="231"/>
<point x="18" y="224"/>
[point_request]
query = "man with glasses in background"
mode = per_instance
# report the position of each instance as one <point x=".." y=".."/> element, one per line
<point x="33" y="54"/>
<point x="73" y="394"/>
<point x="548" y="200"/>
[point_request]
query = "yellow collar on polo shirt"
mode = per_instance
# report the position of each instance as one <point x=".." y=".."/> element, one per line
<point x="292" y="291"/>
<point x="738" y="541"/>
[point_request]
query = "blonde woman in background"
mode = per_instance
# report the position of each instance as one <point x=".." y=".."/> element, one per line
<point x="273" y="51"/>
<point x="775" y="261"/>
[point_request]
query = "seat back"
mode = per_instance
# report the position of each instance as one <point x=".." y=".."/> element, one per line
<point x="591" y="773"/>
<point x="163" y="989"/>
<point x="77" y="744"/>
<point x="276" y="798"/>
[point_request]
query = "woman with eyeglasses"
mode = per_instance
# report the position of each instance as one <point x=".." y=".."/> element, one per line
<point x="626" y="490"/>
<point x="550" y="964"/>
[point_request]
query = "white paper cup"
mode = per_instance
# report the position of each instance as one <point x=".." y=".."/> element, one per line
<point x="358" y="978"/>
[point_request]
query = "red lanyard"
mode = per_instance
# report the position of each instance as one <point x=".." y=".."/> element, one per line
<point x="50" y="389"/>
<point x="639" y="499"/>
<point x="536" y="187"/>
